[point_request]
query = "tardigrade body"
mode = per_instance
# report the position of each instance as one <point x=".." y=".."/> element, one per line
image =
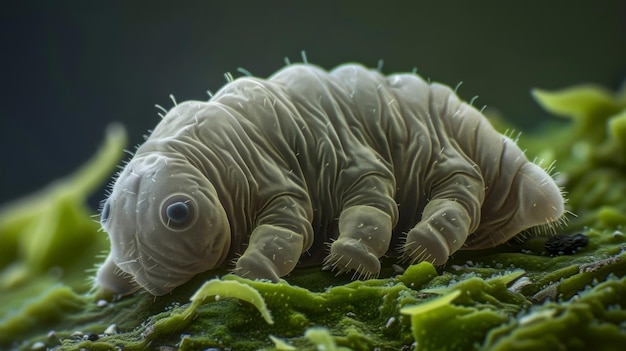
<point x="269" y="172"/>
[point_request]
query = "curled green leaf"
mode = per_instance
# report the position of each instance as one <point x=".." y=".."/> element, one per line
<point x="217" y="289"/>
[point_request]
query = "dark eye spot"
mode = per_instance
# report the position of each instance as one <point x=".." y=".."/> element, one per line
<point x="178" y="212"/>
<point x="104" y="214"/>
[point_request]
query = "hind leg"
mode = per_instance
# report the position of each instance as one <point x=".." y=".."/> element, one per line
<point x="448" y="219"/>
<point x="365" y="226"/>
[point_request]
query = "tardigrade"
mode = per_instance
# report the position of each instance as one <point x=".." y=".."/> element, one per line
<point x="312" y="167"/>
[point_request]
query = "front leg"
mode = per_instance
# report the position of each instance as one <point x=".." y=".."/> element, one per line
<point x="283" y="232"/>
<point x="272" y="253"/>
<point x="113" y="279"/>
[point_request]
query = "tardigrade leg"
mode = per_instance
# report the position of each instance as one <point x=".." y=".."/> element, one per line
<point x="111" y="278"/>
<point x="452" y="213"/>
<point x="282" y="234"/>
<point x="365" y="226"/>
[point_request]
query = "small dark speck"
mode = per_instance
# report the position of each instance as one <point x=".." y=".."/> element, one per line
<point x="92" y="337"/>
<point x="566" y="244"/>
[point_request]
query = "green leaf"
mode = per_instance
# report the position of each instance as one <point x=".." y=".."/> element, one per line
<point x="582" y="100"/>
<point x="218" y="289"/>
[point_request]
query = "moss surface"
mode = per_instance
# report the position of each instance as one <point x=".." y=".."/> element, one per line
<point x="515" y="297"/>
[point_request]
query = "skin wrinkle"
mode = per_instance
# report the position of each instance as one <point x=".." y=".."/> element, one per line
<point x="320" y="168"/>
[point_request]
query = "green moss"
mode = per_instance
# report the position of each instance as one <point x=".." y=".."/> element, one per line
<point x="514" y="297"/>
<point x="47" y="308"/>
<point x="595" y="320"/>
<point x="464" y="326"/>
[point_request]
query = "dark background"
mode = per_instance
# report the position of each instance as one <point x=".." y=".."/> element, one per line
<point x="71" y="68"/>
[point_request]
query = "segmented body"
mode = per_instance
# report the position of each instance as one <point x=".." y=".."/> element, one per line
<point x="269" y="172"/>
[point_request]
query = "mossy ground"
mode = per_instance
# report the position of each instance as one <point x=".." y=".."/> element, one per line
<point x="514" y="297"/>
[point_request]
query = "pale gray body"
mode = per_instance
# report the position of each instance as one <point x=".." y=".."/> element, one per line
<point x="273" y="170"/>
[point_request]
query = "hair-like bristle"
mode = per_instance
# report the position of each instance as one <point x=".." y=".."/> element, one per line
<point x="91" y="272"/>
<point x="163" y="111"/>
<point x="173" y="99"/>
<point x="229" y="77"/>
<point x="550" y="228"/>
<point x="333" y="263"/>
<point x="417" y="255"/>
<point x="473" y="99"/>
<point x="458" y="86"/>
<point x="362" y="274"/>
<point x="245" y="72"/>
<point x="401" y="245"/>
<point x="233" y="261"/>
<point x="379" y="66"/>
<point x="513" y="135"/>
<point x="91" y="281"/>
<point x="305" y="60"/>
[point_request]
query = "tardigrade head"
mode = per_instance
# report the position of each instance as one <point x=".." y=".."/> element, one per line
<point x="165" y="224"/>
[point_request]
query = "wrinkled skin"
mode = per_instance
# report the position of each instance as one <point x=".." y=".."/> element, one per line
<point x="268" y="172"/>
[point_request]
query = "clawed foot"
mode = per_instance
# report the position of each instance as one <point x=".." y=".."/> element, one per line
<point x="430" y="248"/>
<point x="253" y="265"/>
<point x="112" y="279"/>
<point x="441" y="232"/>
<point x="352" y="255"/>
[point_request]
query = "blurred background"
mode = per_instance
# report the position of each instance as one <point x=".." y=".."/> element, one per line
<point x="71" y="68"/>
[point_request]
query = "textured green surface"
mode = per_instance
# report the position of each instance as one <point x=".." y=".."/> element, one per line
<point x="514" y="297"/>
